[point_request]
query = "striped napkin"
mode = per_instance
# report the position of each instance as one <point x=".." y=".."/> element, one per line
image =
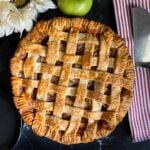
<point x="139" y="112"/>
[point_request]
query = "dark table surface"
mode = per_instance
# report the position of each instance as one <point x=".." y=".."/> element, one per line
<point x="120" y="139"/>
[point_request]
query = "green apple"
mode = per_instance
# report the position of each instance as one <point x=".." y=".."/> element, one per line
<point x="75" y="7"/>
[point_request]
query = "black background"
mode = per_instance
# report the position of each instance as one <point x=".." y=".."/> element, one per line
<point x="120" y="139"/>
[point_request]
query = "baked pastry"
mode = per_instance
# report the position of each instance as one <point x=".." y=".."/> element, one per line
<point x="72" y="80"/>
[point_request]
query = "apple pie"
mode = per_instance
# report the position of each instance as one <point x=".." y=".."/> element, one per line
<point x="72" y="79"/>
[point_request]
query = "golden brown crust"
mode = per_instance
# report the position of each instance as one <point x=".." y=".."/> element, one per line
<point x="77" y="86"/>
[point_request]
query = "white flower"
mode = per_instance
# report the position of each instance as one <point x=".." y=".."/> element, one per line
<point x="13" y="19"/>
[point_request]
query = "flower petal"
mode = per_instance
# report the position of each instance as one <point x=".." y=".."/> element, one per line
<point x="4" y="10"/>
<point x="29" y="12"/>
<point x="8" y="29"/>
<point x="26" y="23"/>
<point x="2" y="33"/>
<point x="43" y="5"/>
<point x="12" y="7"/>
<point x="49" y="4"/>
<point x="14" y="21"/>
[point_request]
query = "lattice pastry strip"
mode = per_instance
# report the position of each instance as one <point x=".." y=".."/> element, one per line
<point x="72" y="42"/>
<point x="41" y="94"/>
<point x="91" y="75"/>
<point x="105" y="44"/>
<point x="75" y="111"/>
<point x="75" y="120"/>
<point x="87" y="57"/>
<point x="53" y="50"/>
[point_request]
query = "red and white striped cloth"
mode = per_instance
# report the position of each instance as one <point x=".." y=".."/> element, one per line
<point x="139" y="112"/>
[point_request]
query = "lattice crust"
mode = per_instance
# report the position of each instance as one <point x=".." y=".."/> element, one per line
<point x="72" y="80"/>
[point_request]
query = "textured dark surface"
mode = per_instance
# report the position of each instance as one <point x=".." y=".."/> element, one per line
<point x="120" y="139"/>
<point x="10" y="122"/>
